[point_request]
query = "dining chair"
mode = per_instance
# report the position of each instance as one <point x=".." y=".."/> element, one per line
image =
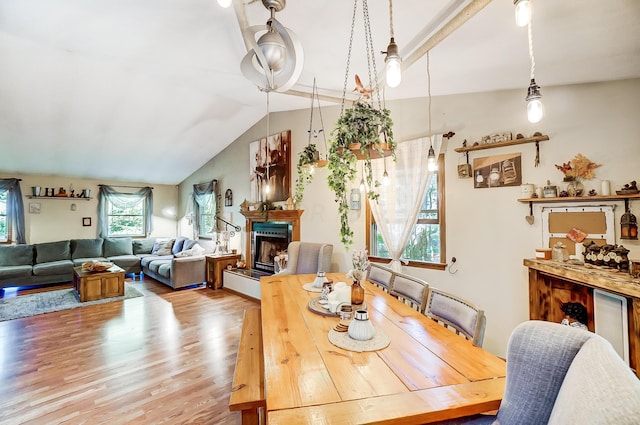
<point x="410" y="290"/>
<point x="560" y="375"/>
<point x="464" y="318"/>
<point x="380" y="276"/>
<point x="307" y="258"/>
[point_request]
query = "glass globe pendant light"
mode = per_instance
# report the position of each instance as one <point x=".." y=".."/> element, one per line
<point x="523" y="12"/>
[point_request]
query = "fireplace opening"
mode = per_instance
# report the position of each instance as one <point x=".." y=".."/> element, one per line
<point x="267" y="239"/>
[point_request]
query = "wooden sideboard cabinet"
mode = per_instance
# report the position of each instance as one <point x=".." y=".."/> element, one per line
<point x="215" y="265"/>
<point x="552" y="283"/>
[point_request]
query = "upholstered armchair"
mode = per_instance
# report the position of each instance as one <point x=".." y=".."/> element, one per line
<point x="560" y="375"/>
<point x="307" y="258"/>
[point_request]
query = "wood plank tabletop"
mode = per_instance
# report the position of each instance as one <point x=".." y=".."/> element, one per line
<point x="305" y="374"/>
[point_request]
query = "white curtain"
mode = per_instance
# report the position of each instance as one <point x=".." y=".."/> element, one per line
<point x="397" y="207"/>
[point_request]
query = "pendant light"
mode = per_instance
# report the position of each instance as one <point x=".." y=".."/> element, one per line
<point x="535" y="108"/>
<point x="393" y="61"/>
<point x="523" y="12"/>
<point x="275" y="59"/>
<point x="224" y="3"/>
<point x="432" y="161"/>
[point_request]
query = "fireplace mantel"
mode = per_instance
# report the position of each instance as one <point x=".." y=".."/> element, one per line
<point x="278" y="216"/>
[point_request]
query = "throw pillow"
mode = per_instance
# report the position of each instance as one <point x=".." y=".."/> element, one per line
<point x="191" y="252"/>
<point x="162" y="247"/>
<point x="188" y="244"/>
<point x="178" y="244"/>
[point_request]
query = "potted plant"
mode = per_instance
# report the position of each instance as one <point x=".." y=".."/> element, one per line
<point x="361" y="133"/>
<point x="308" y="159"/>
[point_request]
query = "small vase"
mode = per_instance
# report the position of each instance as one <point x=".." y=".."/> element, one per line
<point x="575" y="188"/>
<point x="357" y="293"/>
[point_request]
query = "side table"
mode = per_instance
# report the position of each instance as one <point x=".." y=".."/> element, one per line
<point x="216" y="264"/>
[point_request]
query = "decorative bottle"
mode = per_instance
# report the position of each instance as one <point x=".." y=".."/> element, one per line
<point x="357" y="293"/>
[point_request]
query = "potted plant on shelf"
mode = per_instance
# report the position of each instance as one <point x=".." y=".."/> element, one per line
<point x="361" y="133"/>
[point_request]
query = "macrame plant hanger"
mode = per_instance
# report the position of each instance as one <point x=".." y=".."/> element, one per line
<point x="371" y="63"/>
<point x="317" y="163"/>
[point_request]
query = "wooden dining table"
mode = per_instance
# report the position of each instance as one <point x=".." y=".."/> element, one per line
<point x="427" y="373"/>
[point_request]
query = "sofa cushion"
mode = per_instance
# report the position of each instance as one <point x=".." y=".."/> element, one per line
<point x="125" y="261"/>
<point x="177" y="245"/>
<point x="79" y="261"/>
<point x="53" y="251"/>
<point x="143" y="246"/>
<point x="163" y="247"/>
<point x="86" y="248"/>
<point x="154" y="266"/>
<point x="145" y="261"/>
<point x="11" y="272"/>
<point x="16" y="255"/>
<point x="599" y="388"/>
<point x="117" y="246"/>
<point x="53" y="267"/>
<point x="165" y="270"/>
<point x="188" y="244"/>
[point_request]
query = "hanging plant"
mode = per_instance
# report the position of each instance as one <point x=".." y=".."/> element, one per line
<point x="308" y="159"/>
<point x="310" y="156"/>
<point x="362" y="132"/>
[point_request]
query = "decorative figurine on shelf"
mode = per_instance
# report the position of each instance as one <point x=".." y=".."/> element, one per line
<point x="628" y="189"/>
<point x="575" y="315"/>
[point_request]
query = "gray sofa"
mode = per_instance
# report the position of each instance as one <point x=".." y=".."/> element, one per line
<point x="53" y="262"/>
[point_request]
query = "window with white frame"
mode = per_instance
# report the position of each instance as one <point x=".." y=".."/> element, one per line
<point x="426" y="241"/>
<point x="126" y="218"/>
<point x="206" y="213"/>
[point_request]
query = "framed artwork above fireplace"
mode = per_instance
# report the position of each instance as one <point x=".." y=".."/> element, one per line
<point x="270" y="164"/>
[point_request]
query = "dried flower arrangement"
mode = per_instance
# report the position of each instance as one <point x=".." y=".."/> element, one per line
<point x="580" y="167"/>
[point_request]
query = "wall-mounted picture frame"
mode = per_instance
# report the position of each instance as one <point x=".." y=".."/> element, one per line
<point x="34" y="207"/>
<point x="86" y="221"/>
<point x="228" y="198"/>
<point x="498" y="171"/>
<point x="269" y="165"/>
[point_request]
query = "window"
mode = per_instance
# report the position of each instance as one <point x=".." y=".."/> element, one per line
<point x="425" y="245"/>
<point x="206" y="214"/>
<point x="126" y="218"/>
<point x="5" y="223"/>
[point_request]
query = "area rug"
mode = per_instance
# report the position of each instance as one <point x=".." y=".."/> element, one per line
<point x="45" y="302"/>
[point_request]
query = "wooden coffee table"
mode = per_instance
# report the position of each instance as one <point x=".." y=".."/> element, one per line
<point x="92" y="286"/>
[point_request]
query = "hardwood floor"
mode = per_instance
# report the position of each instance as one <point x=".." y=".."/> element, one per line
<point x="165" y="358"/>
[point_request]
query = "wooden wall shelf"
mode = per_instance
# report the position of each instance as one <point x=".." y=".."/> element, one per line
<point x="501" y="144"/>
<point x="67" y="198"/>
<point x="579" y="199"/>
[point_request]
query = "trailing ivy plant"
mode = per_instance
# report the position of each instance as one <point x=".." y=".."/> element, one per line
<point x="365" y="125"/>
<point x="307" y="158"/>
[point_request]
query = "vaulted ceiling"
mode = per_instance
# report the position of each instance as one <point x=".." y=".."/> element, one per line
<point x="154" y="89"/>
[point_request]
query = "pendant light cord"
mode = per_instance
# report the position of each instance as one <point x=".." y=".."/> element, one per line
<point x="391" y="18"/>
<point x="533" y="61"/>
<point x="429" y="95"/>
<point x="267" y="141"/>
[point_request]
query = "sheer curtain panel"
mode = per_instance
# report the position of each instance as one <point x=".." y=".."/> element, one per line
<point x="396" y="209"/>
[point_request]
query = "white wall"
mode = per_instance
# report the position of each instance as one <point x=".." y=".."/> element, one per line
<point x="57" y="221"/>
<point x="485" y="228"/>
